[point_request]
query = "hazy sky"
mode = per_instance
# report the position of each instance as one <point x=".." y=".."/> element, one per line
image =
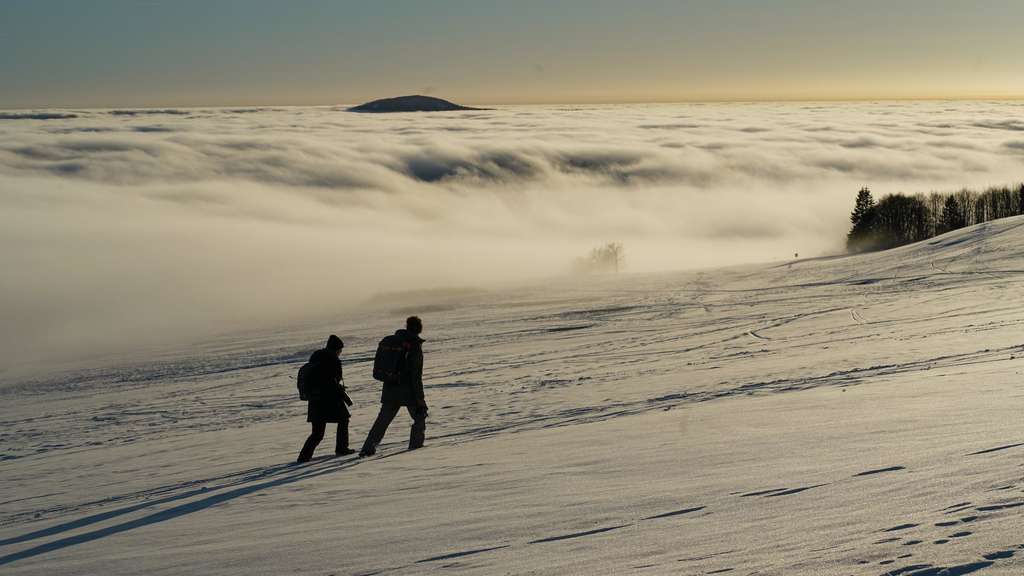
<point x="230" y="52"/>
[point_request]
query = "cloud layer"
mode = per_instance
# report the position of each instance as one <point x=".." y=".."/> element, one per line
<point x="122" y="226"/>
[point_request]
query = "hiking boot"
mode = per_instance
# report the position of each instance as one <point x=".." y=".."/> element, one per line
<point x="344" y="452"/>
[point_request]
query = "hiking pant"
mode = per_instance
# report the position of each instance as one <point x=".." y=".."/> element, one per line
<point x="384" y="418"/>
<point x="340" y="443"/>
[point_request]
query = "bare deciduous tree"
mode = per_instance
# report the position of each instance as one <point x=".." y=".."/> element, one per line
<point x="607" y="258"/>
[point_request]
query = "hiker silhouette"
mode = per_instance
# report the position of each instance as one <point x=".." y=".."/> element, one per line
<point x="328" y="400"/>
<point x="403" y="387"/>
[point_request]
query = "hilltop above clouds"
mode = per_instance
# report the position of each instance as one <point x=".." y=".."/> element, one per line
<point x="415" y="103"/>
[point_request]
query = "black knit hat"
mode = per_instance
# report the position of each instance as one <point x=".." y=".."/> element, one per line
<point x="334" y="343"/>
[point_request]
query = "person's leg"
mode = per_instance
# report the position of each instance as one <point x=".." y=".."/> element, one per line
<point x="315" y="437"/>
<point x="380" y="426"/>
<point x="419" y="427"/>
<point x="341" y="442"/>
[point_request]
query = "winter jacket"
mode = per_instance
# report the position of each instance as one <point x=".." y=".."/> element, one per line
<point x="407" y="389"/>
<point x="326" y="398"/>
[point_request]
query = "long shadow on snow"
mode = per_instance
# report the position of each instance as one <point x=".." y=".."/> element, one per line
<point x="250" y="475"/>
<point x="171" y="513"/>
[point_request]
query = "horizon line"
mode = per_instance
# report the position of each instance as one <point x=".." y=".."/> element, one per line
<point x="608" y="102"/>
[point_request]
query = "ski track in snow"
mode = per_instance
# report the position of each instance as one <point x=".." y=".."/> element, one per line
<point x="564" y="362"/>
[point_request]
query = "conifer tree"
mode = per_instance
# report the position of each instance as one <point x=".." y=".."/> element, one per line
<point x="952" y="215"/>
<point x="863" y="220"/>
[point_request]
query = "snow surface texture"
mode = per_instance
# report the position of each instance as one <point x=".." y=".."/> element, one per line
<point x="267" y="196"/>
<point x="833" y="416"/>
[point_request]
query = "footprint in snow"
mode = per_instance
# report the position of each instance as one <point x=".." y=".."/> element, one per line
<point x="901" y="527"/>
<point x="675" y="513"/>
<point x="460" y="554"/>
<point x="879" y="471"/>
<point x="577" y="534"/>
<point x="775" y="492"/>
<point x="996" y="449"/>
<point x="996" y="507"/>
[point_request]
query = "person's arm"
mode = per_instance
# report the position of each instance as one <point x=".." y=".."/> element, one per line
<point x="336" y="372"/>
<point x="341" y="383"/>
<point x="417" y="381"/>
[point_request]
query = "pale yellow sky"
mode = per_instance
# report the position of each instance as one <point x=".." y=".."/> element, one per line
<point x="234" y="52"/>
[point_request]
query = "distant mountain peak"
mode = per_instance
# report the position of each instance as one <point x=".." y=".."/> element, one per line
<point x="413" y="103"/>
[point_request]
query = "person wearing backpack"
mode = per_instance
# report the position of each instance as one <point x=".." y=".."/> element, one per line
<point x="399" y="365"/>
<point x="327" y="398"/>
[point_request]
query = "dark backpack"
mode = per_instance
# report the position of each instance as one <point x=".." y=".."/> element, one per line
<point x="387" y="363"/>
<point x="304" y="380"/>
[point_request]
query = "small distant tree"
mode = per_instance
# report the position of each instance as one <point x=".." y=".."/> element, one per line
<point x="862" y="207"/>
<point x="952" y="216"/>
<point x="611" y="255"/>
<point x="966" y="199"/>
<point x="607" y="258"/>
<point x="1020" y="199"/>
<point x="862" y="219"/>
<point x="935" y="201"/>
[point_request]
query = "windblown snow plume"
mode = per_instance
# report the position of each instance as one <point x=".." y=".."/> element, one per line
<point x="122" y="227"/>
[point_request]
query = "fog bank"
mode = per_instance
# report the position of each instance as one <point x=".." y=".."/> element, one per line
<point x="129" y="227"/>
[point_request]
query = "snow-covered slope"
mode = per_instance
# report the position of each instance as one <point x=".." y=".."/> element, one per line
<point x="853" y="415"/>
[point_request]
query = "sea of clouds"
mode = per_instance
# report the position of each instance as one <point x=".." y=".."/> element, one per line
<point x="123" y="227"/>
